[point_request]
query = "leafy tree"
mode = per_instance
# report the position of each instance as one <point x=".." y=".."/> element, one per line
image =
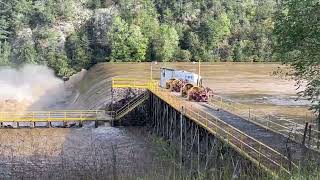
<point x="58" y="61"/>
<point x="182" y="55"/>
<point x="191" y="42"/>
<point x="128" y="10"/>
<point x="21" y="13"/>
<point x="147" y="20"/>
<point x="27" y="54"/>
<point x="64" y="8"/>
<point x="4" y="28"/>
<point x="118" y="37"/>
<point x="298" y="42"/>
<point x="42" y="13"/>
<point x="128" y="43"/>
<point x="213" y="31"/>
<point x="94" y="4"/>
<point x="168" y="17"/>
<point x="78" y="51"/>
<point x="237" y="52"/>
<point x="166" y="43"/>
<point x="208" y="29"/>
<point x="5" y="53"/>
<point x="137" y="43"/>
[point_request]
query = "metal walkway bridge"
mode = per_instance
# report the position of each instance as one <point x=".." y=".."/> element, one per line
<point x="66" y="116"/>
<point x="262" y="150"/>
<point x="262" y="140"/>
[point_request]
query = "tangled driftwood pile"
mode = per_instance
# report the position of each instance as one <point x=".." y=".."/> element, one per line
<point x="122" y="96"/>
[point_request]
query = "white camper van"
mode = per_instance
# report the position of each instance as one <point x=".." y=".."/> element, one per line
<point x="167" y="74"/>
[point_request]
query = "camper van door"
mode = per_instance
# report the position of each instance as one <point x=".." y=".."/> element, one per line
<point x="166" y="74"/>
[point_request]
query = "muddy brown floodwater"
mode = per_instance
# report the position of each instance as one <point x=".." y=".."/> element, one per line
<point x="106" y="152"/>
<point x="86" y="153"/>
<point x="250" y="84"/>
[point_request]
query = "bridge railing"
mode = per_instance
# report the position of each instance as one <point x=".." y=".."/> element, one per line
<point x="258" y="152"/>
<point x="129" y="105"/>
<point x="255" y="150"/>
<point x="292" y="129"/>
<point x="51" y="116"/>
<point x="129" y="83"/>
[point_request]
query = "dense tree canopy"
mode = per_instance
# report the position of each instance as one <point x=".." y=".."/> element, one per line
<point x="78" y="34"/>
<point x="127" y="41"/>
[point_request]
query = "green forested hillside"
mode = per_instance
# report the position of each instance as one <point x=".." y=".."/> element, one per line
<point x="69" y="35"/>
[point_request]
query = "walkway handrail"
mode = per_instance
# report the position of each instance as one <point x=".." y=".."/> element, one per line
<point x="269" y="123"/>
<point x="256" y="150"/>
<point x="129" y="83"/>
<point x="50" y="116"/>
<point x="247" y="107"/>
<point x="129" y="105"/>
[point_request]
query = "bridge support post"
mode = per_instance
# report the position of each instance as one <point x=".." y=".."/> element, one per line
<point x="196" y="149"/>
<point x="198" y="143"/>
<point x="190" y="151"/>
<point x="181" y="138"/>
<point x="207" y="150"/>
<point x="167" y="122"/>
<point x="112" y="109"/>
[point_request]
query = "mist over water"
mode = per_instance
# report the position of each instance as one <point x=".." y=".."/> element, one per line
<point x="31" y="86"/>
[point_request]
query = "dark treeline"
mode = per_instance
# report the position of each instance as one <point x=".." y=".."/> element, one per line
<point x="69" y="35"/>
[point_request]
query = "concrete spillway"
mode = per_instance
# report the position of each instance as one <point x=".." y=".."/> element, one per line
<point x="92" y="88"/>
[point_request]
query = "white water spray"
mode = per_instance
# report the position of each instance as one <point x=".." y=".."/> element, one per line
<point x="30" y="87"/>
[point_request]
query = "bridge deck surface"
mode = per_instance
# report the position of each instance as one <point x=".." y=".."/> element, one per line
<point x="270" y="138"/>
<point x="263" y="147"/>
